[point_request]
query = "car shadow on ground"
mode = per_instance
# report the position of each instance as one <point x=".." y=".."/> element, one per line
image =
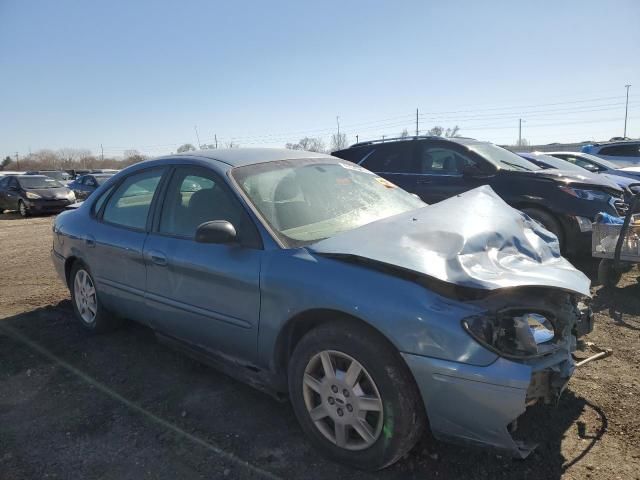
<point x="121" y="405"/>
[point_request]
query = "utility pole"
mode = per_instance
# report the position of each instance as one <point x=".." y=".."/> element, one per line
<point x="626" y="110"/>
<point x="195" y="127"/>
<point x="338" y="122"/>
<point x="215" y="136"/>
<point x="17" y="161"/>
<point x="383" y="137"/>
<point x="357" y="138"/>
<point x="520" y="132"/>
<point x="101" y="153"/>
<point x="417" y="129"/>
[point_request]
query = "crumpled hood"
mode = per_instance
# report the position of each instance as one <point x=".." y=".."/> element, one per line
<point x="474" y="240"/>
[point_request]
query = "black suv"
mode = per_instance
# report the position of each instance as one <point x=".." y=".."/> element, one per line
<point x="435" y="168"/>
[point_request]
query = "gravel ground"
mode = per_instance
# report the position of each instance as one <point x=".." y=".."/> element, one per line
<point x="122" y="406"/>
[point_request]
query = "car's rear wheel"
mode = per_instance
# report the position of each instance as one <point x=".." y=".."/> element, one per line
<point x="548" y="221"/>
<point x="22" y="209"/>
<point x="86" y="305"/>
<point x="354" y="396"/>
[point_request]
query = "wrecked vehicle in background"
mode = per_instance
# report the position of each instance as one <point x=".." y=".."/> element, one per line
<point x="317" y="279"/>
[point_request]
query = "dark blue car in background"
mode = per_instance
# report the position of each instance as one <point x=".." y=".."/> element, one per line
<point x="565" y="202"/>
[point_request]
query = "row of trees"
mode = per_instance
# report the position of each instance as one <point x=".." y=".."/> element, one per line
<point x="77" y="158"/>
<point x="340" y="141"/>
<point x="69" y="158"/>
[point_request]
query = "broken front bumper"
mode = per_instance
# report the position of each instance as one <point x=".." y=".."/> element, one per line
<point x="480" y="405"/>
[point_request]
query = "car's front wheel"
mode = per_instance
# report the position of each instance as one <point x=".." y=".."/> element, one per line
<point x="354" y="396"/>
<point x="22" y="209"/>
<point x="86" y="305"/>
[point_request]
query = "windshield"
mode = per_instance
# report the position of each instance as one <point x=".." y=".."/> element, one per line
<point x="38" y="182"/>
<point x="597" y="160"/>
<point x="502" y="158"/>
<point x="56" y="175"/>
<point x="304" y="201"/>
<point x="558" y="163"/>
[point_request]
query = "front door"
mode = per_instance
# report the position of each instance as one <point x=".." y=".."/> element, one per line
<point x="207" y="295"/>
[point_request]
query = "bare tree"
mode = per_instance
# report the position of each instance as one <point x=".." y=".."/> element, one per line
<point x="133" y="156"/>
<point x="5" y="163"/>
<point x="309" y="144"/>
<point x="187" y="147"/>
<point x="439" y="131"/>
<point x="452" y="132"/>
<point x="231" y="144"/>
<point x="404" y="133"/>
<point x="523" y="142"/>
<point x="435" y="131"/>
<point x="338" y="141"/>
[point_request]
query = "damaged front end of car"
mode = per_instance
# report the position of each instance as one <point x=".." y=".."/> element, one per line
<point x="539" y="329"/>
<point x="528" y="306"/>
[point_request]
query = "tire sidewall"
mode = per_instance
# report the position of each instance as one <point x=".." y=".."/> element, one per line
<point x="401" y="415"/>
<point x="72" y="278"/>
<point x="22" y="207"/>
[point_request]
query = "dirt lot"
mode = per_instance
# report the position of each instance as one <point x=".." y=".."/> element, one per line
<point x="122" y="406"/>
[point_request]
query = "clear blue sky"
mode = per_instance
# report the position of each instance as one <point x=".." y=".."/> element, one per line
<point x="141" y="74"/>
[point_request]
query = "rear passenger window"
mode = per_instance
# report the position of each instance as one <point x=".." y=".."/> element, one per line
<point x="390" y="159"/>
<point x="129" y="205"/>
<point x="98" y="205"/>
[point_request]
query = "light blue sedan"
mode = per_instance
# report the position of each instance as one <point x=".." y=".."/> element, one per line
<point x="313" y="278"/>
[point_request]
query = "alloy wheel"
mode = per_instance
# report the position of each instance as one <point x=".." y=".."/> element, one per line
<point x="85" y="296"/>
<point x="23" y="209"/>
<point x="342" y="400"/>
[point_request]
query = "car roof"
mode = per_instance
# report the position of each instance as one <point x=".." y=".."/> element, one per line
<point x="31" y="176"/>
<point x="237" y="157"/>
<point x="459" y="140"/>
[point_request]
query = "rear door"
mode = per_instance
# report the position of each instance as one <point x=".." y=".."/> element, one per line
<point x="207" y="295"/>
<point x="115" y="244"/>
<point x="394" y="161"/>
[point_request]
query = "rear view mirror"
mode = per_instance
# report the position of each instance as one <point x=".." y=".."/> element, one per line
<point x="216" y="231"/>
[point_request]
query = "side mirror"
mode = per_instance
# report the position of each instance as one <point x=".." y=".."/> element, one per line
<point x="216" y="231"/>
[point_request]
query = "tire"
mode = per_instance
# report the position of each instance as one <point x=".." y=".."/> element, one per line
<point x="548" y="221"/>
<point x="96" y="320"/>
<point x="22" y="209"/>
<point x="387" y="433"/>
<point x="608" y="276"/>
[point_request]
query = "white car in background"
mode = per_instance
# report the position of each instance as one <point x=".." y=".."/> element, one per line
<point x="625" y="153"/>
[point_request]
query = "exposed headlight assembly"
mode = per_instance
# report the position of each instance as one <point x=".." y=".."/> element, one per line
<point x="32" y="196"/>
<point x="585" y="194"/>
<point x="512" y="333"/>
